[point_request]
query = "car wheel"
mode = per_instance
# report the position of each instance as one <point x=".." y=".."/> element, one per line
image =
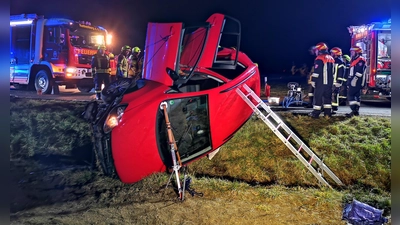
<point x="115" y="89"/>
<point x="42" y="82"/>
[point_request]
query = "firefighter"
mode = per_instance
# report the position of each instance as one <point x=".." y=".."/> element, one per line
<point x="122" y="63"/>
<point x="322" y="81"/>
<point x="356" y="80"/>
<point x="343" y="90"/>
<point x="136" y="62"/>
<point x="338" y="76"/>
<point x="101" y="68"/>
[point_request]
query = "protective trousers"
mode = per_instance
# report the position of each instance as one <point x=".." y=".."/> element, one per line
<point x="335" y="98"/>
<point x="99" y="79"/>
<point x="322" y="98"/>
<point x="354" y="97"/>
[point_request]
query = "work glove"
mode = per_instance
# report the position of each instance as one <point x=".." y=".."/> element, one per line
<point x="312" y="84"/>
<point x="337" y="85"/>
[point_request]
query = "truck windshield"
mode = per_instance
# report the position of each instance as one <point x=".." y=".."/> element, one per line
<point x="384" y="45"/>
<point x="86" y="38"/>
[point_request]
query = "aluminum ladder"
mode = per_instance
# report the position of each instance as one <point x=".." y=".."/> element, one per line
<point x="278" y="126"/>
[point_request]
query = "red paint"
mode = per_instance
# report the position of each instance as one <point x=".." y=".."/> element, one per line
<point x="134" y="144"/>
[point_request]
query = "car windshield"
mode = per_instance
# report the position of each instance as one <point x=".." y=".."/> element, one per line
<point x="86" y="38"/>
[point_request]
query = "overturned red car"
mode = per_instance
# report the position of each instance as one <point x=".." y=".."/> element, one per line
<point x="186" y="68"/>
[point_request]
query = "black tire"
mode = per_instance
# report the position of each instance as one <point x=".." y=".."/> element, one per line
<point x="84" y="89"/>
<point x="115" y="89"/>
<point x="43" y="81"/>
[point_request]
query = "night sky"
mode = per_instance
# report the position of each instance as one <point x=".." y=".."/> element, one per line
<point x="274" y="33"/>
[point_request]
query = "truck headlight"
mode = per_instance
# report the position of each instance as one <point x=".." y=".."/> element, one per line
<point x="70" y="70"/>
<point x="114" y="118"/>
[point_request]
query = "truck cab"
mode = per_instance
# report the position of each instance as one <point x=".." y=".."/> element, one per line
<point x="46" y="53"/>
<point x="376" y="41"/>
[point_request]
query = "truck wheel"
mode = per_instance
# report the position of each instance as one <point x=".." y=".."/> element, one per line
<point x="43" y="82"/>
<point x="115" y="89"/>
<point x="84" y="89"/>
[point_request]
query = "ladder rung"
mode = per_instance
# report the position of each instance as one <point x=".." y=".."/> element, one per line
<point x="301" y="146"/>
<point x="312" y="157"/>
<point x="290" y="135"/>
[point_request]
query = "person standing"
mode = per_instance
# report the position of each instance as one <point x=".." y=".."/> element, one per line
<point x="136" y="62"/>
<point x="322" y="81"/>
<point x="122" y="63"/>
<point x="343" y="90"/>
<point x="338" y="76"/>
<point x="356" y="80"/>
<point x="101" y="67"/>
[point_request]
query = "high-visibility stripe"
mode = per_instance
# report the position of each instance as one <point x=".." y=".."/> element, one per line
<point x="310" y="94"/>
<point x="353" y="103"/>
<point x="325" y="74"/>
<point x="316" y="75"/>
<point x="335" y="73"/>
<point x="327" y="106"/>
<point x="102" y="70"/>
<point x="358" y="74"/>
<point x="316" y="107"/>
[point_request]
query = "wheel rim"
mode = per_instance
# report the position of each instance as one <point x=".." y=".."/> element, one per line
<point x="43" y="82"/>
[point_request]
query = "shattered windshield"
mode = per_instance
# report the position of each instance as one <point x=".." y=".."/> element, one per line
<point x="85" y="38"/>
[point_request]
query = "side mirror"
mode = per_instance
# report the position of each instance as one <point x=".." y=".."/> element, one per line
<point x="174" y="76"/>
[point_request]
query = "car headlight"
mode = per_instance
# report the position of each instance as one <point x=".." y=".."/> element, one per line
<point x="114" y="118"/>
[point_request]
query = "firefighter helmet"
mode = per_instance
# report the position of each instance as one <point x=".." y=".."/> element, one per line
<point x="126" y="47"/>
<point x="136" y="49"/>
<point x="101" y="47"/>
<point x="347" y="58"/>
<point x="320" y="46"/>
<point x="336" y="51"/>
<point x="356" y="49"/>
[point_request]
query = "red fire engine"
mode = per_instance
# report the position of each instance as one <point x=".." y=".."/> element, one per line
<point x="375" y="39"/>
<point x="46" y="53"/>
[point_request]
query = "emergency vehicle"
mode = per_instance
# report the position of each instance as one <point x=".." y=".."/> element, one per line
<point x="46" y="53"/>
<point x="375" y="39"/>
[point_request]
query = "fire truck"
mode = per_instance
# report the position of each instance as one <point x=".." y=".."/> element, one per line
<point x="46" y="53"/>
<point x="375" y="39"/>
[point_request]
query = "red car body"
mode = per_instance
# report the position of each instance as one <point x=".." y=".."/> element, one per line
<point x="205" y="112"/>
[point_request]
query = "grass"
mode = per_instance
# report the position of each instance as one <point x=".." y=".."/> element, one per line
<point x="40" y="127"/>
<point x="254" y="179"/>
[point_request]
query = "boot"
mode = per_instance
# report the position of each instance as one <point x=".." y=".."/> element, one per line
<point x="354" y="111"/>
<point x="328" y="112"/>
<point x="314" y="114"/>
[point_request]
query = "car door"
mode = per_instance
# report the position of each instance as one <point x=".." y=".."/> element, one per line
<point x="161" y="51"/>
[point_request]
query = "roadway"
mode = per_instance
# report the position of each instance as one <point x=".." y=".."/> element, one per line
<point x="372" y="108"/>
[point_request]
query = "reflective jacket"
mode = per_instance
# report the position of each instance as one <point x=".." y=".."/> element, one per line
<point x="340" y="71"/>
<point x="100" y="63"/>
<point x="122" y="66"/>
<point x="323" y="70"/>
<point x="357" y="78"/>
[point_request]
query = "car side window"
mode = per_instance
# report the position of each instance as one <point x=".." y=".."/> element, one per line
<point x="189" y="118"/>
